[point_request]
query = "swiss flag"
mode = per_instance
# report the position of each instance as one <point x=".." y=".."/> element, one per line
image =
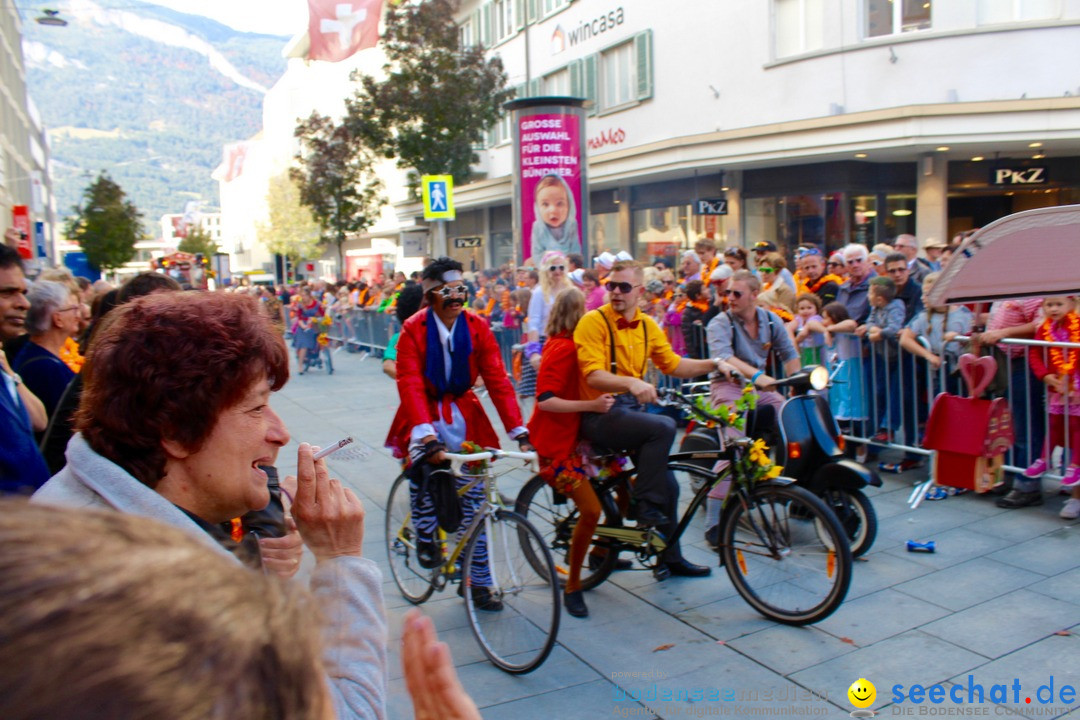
<point x="338" y="29"/>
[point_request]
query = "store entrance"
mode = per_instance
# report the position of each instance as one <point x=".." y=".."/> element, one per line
<point x="974" y="209"/>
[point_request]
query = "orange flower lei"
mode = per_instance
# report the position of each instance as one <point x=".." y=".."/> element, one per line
<point x="70" y="355"/>
<point x="1061" y="364"/>
<point x="702" y="305"/>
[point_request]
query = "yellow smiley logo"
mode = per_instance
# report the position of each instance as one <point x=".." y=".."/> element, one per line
<point x="862" y="693"/>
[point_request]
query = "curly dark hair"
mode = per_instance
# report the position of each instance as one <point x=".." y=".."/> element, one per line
<point x="165" y="366"/>
<point x="435" y="270"/>
<point x="408" y="302"/>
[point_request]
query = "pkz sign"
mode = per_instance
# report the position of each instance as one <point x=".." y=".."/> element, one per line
<point x="1018" y="176"/>
<point x="468" y="242"/>
<point x="710" y="206"/>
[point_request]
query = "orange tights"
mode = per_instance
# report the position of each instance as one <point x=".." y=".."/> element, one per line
<point x="588" y="506"/>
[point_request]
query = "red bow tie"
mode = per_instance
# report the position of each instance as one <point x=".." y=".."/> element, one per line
<point x="623" y="323"/>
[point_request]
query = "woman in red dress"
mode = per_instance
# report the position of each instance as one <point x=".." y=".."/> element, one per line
<point x="554" y="432"/>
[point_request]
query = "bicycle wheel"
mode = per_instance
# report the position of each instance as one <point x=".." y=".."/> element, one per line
<point x="786" y="553"/>
<point x="519" y="636"/>
<point x="413" y="581"/>
<point x="856" y="515"/>
<point x="554" y="517"/>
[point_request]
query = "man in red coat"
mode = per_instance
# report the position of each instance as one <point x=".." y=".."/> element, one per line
<point x="441" y="351"/>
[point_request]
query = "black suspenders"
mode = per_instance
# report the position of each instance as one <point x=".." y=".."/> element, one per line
<point x="611" y="344"/>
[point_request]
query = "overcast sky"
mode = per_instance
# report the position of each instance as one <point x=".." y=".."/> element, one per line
<point x="277" y="17"/>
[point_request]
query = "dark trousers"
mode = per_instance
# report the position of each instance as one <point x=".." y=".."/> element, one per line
<point x="648" y="438"/>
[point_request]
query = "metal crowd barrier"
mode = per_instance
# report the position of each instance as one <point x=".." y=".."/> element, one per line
<point x="898" y="392"/>
<point x="363" y="330"/>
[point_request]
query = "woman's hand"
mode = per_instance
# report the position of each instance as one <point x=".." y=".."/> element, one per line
<point x="603" y="403"/>
<point x="281" y="555"/>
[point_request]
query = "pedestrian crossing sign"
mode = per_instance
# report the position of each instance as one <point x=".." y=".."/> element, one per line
<point x="438" y="191"/>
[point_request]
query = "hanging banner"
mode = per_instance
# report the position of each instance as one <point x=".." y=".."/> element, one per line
<point x="551" y="179"/>
<point x="20" y="220"/>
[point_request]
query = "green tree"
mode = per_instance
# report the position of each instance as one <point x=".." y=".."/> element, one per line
<point x="106" y="225"/>
<point x="437" y="98"/>
<point x="290" y="229"/>
<point x="198" y="241"/>
<point x="336" y="178"/>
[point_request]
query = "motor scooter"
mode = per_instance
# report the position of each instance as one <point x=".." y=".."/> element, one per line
<point x="808" y="444"/>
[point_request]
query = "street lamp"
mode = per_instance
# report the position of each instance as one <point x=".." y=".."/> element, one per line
<point x="51" y="17"/>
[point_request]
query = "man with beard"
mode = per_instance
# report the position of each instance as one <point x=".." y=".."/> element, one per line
<point x="21" y="465"/>
<point x="614" y="344"/>
<point x="441" y="351"/>
<point x="812" y="267"/>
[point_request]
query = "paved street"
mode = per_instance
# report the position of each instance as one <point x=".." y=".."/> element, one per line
<point x="995" y="602"/>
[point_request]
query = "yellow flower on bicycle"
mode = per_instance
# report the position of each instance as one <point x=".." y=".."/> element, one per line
<point x="757" y="452"/>
<point x="773" y="472"/>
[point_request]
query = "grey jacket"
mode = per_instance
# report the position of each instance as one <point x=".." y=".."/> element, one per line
<point x="348" y="589"/>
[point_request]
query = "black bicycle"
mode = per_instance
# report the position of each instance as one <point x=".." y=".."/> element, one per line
<point x="783" y="548"/>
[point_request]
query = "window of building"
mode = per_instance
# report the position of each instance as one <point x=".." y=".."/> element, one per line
<point x="550" y="7"/>
<point x="503" y="23"/>
<point x="467" y="33"/>
<point x="557" y="83"/>
<point x="665" y="233"/>
<point x="888" y="17"/>
<point x="994" y="12"/>
<point x="799" y="26"/>
<point x="618" y="76"/>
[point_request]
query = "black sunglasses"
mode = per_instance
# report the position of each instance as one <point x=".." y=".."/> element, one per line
<point x="737" y="293"/>
<point x="836" y="264"/>
<point x="553" y="268"/>
<point x="624" y="287"/>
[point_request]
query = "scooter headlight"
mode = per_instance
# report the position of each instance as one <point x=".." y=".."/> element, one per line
<point x="819" y="378"/>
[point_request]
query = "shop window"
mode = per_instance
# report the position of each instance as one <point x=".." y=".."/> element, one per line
<point x="799" y="26"/>
<point x="890" y="17"/>
<point x="899" y="216"/>
<point x="864" y="219"/>
<point x="791" y="221"/>
<point x="665" y="233"/>
<point x="994" y="12"/>
<point x="604" y="234"/>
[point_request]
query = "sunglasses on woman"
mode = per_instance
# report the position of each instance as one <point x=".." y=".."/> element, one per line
<point x="553" y="268"/>
<point x="624" y="287"/>
<point x="767" y="270"/>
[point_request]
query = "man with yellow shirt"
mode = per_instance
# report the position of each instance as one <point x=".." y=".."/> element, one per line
<point x="621" y="330"/>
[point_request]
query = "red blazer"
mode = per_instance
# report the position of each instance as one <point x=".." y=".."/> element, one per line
<point x="419" y="403"/>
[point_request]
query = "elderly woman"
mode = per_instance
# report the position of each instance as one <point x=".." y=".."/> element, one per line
<point x="174" y="424"/>
<point x="54" y="317"/>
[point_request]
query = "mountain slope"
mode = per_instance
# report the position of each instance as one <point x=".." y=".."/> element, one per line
<point x="148" y="94"/>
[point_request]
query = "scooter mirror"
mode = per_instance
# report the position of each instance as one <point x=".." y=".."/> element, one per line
<point x="819" y="377"/>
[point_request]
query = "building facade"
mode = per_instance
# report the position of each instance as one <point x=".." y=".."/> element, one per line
<point x="24" y="147"/>
<point x="817" y="121"/>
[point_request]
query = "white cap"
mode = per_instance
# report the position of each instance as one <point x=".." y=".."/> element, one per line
<point x="606" y="260"/>
<point x="624" y="256"/>
<point x="722" y="272"/>
<point x="577" y="277"/>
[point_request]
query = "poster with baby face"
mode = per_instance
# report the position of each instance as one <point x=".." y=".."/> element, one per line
<point x="551" y="183"/>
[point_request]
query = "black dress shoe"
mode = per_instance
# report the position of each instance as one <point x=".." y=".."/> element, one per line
<point x="574" y="602"/>
<point x="649" y="515"/>
<point x="680" y="568"/>
<point x="1018" y="499"/>
<point x="428" y="554"/>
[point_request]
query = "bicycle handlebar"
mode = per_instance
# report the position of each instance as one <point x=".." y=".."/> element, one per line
<point x="458" y="459"/>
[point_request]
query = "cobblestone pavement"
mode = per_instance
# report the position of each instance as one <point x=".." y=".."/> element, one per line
<point x="998" y="602"/>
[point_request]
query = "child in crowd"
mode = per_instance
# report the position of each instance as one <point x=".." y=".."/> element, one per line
<point x="847" y="397"/>
<point x="555" y="225"/>
<point x="554" y="427"/>
<point x="808" y="339"/>
<point x="881" y="329"/>
<point x="1057" y="368"/>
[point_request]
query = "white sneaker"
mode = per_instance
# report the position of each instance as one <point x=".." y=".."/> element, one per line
<point x="1071" y="511"/>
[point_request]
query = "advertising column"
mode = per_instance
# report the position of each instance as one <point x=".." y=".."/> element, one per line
<point x="551" y="188"/>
